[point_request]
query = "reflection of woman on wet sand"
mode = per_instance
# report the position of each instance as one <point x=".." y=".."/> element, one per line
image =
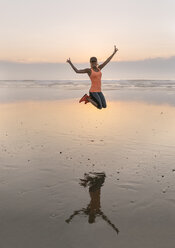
<point x="95" y="182"/>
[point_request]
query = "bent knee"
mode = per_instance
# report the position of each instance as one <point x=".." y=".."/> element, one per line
<point x="99" y="107"/>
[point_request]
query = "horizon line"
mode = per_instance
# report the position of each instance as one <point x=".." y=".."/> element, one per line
<point x="142" y="79"/>
<point x="118" y="61"/>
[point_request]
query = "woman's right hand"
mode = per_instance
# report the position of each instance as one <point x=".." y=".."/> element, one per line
<point x="68" y="61"/>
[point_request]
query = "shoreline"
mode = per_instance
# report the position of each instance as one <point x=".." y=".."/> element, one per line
<point x="149" y="95"/>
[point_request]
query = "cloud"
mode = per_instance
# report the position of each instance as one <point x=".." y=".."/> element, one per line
<point x="157" y="68"/>
<point x="28" y="71"/>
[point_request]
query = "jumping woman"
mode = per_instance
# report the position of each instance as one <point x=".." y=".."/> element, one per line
<point x="96" y="97"/>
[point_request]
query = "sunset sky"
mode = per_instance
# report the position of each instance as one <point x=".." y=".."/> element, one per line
<point x="40" y="31"/>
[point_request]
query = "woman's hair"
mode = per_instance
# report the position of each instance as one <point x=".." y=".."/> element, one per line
<point x="93" y="59"/>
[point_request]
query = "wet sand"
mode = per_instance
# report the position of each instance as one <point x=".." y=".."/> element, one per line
<point x="47" y="147"/>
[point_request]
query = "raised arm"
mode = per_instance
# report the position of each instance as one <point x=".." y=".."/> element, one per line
<point x="108" y="59"/>
<point x="75" y="69"/>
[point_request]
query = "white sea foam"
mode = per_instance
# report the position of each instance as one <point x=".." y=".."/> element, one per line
<point x="81" y="84"/>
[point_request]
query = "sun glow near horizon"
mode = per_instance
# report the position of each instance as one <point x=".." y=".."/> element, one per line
<point x="51" y="32"/>
<point x="82" y="54"/>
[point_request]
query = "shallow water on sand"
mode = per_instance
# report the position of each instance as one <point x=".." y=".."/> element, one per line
<point x="47" y="147"/>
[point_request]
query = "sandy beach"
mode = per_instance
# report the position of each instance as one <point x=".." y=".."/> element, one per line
<point x="49" y="145"/>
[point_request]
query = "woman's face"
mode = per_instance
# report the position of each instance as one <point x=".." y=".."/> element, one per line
<point x="93" y="64"/>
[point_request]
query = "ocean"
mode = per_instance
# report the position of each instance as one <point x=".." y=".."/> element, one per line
<point x="83" y="84"/>
<point x="150" y="91"/>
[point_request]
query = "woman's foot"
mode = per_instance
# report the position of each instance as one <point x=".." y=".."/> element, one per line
<point x="84" y="98"/>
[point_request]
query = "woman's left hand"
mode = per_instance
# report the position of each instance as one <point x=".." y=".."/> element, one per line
<point x="115" y="49"/>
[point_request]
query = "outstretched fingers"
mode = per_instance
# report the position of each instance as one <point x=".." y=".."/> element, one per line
<point x="115" y="49"/>
<point x="68" y="60"/>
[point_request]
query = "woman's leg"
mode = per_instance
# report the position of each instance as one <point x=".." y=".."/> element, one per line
<point x="96" y="98"/>
<point x="103" y="101"/>
<point x="92" y="101"/>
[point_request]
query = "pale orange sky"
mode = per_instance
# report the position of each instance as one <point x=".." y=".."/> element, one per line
<point x="52" y="31"/>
